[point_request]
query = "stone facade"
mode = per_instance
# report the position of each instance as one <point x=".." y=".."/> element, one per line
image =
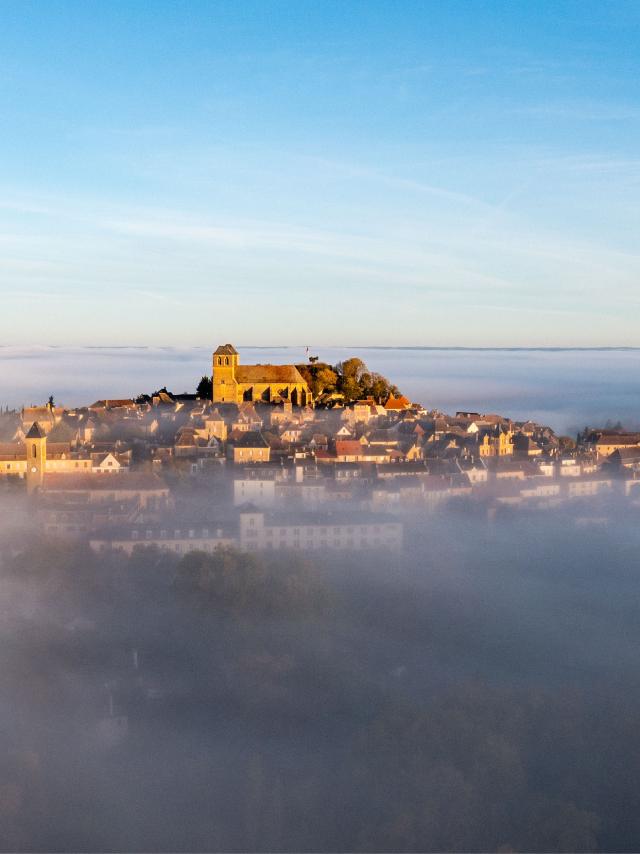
<point x="235" y="383"/>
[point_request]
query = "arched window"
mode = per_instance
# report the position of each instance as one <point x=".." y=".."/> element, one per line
<point x="226" y="361"/>
<point x="34" y="451"/>
<point x="219" y="360"/>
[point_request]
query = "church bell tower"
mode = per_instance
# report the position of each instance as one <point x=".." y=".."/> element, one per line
<point x="36" y="445"/>
<point x="225" y="362"/>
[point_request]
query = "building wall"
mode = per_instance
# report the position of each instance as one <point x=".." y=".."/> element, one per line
<point x="225" y="387"/>
<point x="251" y="455"/>
<point x="13" y="467"/>
<point x="255" y="534"/>
<point x="254" y="491"/>
<point x="178" y="545"/>
<point x="36" y="462"/>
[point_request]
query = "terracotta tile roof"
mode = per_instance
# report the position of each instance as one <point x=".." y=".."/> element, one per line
<point x="268" y="374"/>
<point x="348" y="448"/>
<point x="401" y="402"/>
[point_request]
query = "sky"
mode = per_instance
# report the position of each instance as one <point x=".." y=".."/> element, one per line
<point x="382" y="173"/>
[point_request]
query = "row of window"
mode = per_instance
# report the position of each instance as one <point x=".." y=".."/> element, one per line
<point x="178" y="534"/>
<point x="336" y="544"/>
<point x="324" y="531"/>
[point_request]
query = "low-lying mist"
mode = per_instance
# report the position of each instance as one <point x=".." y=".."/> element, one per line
<point x="479" y="692"/>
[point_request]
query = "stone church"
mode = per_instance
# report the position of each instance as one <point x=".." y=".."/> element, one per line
<point x="235" y="383"/>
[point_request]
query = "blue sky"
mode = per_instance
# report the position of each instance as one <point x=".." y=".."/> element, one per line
<point x="329" y="173"/>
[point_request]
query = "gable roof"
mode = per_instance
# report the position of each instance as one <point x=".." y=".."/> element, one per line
<point x="268" y="374"/>
<point x="400" y="402"/>
<point x="251" y="439"/>
<point x="225" y="350"/>
<point x="348" y="448"/>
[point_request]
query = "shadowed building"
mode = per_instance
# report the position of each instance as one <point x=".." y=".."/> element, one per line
<point x="235" y="383"/>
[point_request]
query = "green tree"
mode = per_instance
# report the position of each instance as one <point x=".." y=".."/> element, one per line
<point x="205" y="388"/>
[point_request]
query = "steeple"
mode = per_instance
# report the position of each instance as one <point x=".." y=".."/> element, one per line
<point x="36" y="445"/>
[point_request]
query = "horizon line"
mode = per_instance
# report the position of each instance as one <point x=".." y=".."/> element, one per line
<point x="440" y="347"/>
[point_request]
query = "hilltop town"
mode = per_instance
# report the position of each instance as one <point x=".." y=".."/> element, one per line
<point x="277" y="457"/>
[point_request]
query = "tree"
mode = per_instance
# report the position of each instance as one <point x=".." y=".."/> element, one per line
<point x="51" y="402"/>
<point x="353" y="368"/>
<point x="205" y="387"/>
<point x="355" y="381"/>
<point x="323" y="381"/>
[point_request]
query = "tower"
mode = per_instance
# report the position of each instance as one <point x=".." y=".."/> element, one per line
<point x="225" y="386"/>
<point x="36" y="445"/>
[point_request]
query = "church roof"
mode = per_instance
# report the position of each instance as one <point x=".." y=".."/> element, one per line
<point x="35" y="432"/>
<point x="268" y="374"/>
<point x="226" y="350"/>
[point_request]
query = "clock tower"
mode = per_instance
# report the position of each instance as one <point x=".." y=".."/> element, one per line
<point x="36" y="445"/>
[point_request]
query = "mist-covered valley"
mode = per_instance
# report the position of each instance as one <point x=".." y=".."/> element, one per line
<point x="479" y="691"/>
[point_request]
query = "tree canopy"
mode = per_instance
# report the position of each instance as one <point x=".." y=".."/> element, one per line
<point x="205" y="387"/>
<point x="351" y="379"/>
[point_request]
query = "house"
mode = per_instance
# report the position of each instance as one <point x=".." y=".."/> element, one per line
<point x="249" y="447"/>
<point x="397" y="404"/>
<point x="607" y="443"/>
<point x="256" y="487"/>
<point x="148" y="490"/>
<point x="497" y="442"/>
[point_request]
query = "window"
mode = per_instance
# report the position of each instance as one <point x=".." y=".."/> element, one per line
<point x="33" y="451"/>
